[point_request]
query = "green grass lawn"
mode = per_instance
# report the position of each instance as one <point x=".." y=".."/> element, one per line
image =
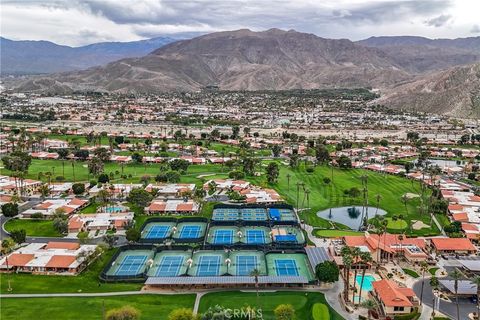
<point x="398" y="224"/>
<point x="150" y="306"/>
<point x="91" y="208"/>
<point x="302" y="302"/>
<point x="411" y="273"/>
<point x="433" y="270"/>
<point x="322" y="196"/>
<point x="64" y="168"/>
<point x="34" y="228"/>
<point x="330" y="233"/>
<point x="87" y="281"/>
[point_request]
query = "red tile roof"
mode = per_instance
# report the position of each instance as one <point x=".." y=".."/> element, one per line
<point x="185" y="207"/>
<point x="157" y="206"/>
<point x="453" y="244"/>
<point x="392" y="295"/>
<point x="62" y="245"/>
<point x="60" y="261"/>
<point x="19" y="259"/>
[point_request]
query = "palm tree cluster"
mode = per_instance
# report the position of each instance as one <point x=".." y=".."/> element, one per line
<point x="353" y="257"/>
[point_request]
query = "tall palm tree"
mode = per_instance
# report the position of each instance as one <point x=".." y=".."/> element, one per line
<point x="378" y="197"/>
<point x="424" y="269"/>
<point x="476" y="281"/>
<point x="347" y="264"/>
<point x="355" y="257"/>
<point x="434" y="284"/>
<point x="370" y="305"/>
<point x="456" y="275"/>
<point x="366" y="259"/>
<point x="7" y="247"/>
<point x="288" y="181"/>
<point x="255" y="273"/>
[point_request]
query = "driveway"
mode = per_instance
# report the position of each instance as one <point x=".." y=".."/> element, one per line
<point x="448" y="308"/>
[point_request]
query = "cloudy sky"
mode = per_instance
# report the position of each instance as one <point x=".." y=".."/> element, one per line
<point x="80" y="22"/>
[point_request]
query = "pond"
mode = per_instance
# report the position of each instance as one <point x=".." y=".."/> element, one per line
<point x="350" y="216"/>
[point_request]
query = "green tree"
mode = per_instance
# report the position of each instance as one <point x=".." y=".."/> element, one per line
<point x="10" y="209"/>
<point x="276" y="149"/>
<point x="284" y="312"/>
<point x="82" y="237"/>
<point x="179" y="164"/>
<point x="434" y="283"/>
<point x="19" y="236"/>
<point x="123" y="313"/>
<point x="344" y="162"/>
<point x="102" y="154"/>
<point x="95" y="166"/>
<point x="7" y="246"/>
<point x="370" y="305"/>
<point x="109" y="239"/>
<point x="272" y="172"/>
<point x="456" y="275"/>
<point x="78" y="188"/>
<point x="139" y="197"/>
<point x="132" y="235"/>
<point x="321" y="153"/>
<point x="137" y="157"/>
<point x="327" y="271"/>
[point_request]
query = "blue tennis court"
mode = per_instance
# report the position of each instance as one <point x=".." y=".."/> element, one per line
<point x="245" y="265"/>
<point x="190" y="232"/>
<point x="157" y="232"/>
<point x="208" y="266"/>
<point x="131" y="265"/>
<point x="286" y="238"/>
<point x="255" y="236"/>
<point x="223" y="236"/>
<point x="286" y="267"/>
<point x="169" y="266"/>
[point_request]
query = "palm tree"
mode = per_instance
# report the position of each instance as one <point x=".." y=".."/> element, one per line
<point x="434" y="284"/>
<point x="424" y="269"/>
<point x="347" y="264"/>
<point x="370" y="305"/>
<point x="476" y="281"/>
<point x="7" y="247"/>
<point x="355" y="257"/>
<point x="456" y="275"/>
<point x="255" y="273"/>
<point x="366" y="260"/>
<point x="378" y="197"/>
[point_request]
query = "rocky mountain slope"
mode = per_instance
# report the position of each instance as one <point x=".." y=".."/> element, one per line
<point x="455" y="91"/>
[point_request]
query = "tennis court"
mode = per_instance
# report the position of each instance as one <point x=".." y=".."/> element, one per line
<point x="223" y="235"/>
<point x="287" y="234"/>
<point x="226" y="214"/>
<point x="157" y="230"/>
<point x="190" y="230"/>
<point x="130" y="263"/>
<point x="254" y="214"/>
<point x="242" y="263"/>
<point x="170" y="263"/>
<point x="208" y="263"/>
<point x="286" y="267"/>
<point x="281" y="214"/>
<point x="289" y="264"/>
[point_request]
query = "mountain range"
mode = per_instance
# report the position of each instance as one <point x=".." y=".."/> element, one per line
<point x="277" y="59"/>
<point x="39" y="57"/>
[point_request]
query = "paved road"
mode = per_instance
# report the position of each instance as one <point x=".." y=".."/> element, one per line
<point x="448" y="308"/>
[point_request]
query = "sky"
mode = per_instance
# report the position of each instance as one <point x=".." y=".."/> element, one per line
<point x="81" y="22"/>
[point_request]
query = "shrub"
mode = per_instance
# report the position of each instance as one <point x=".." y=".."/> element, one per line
<point x="10" y="209"/>
<point x="78" y="188"/>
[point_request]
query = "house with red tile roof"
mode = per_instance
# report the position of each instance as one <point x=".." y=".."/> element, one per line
<point x="453" y="246"/>
<point x="48" y="208"/>
<point x="100" y="221"/>
<point x="173" y="207"/>
<point x="64" y="258"/>
<point x="393" y="299"/>
<point x="387" y="246"/>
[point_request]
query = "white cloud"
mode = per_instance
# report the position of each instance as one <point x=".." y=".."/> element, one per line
<point x="78" y="22"/>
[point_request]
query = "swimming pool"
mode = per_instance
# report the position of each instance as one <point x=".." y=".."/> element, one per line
<point x="367" y="282"/>
<point x="113" y="209"/>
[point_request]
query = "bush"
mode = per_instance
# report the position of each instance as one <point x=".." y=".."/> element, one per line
<point x="10" y="209"/>
<point x="320" y="312"/>
<point x="18" y="236"/>
<point x="310" y="169"/>
<point x="37" y="216"/>
<point x="78" y="188"/>
<point x="123" y="313"/>
<point x="410" y="316"/>
<point x="103" y="178"/>
<point x="237" y="175"/>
